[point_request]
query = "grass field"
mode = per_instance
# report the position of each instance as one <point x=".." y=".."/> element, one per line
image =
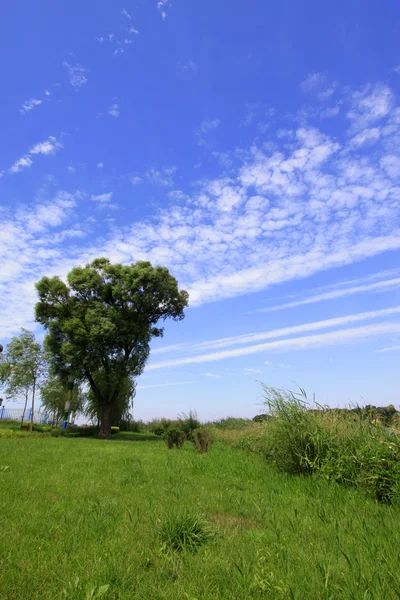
<point x="84" y="518"/>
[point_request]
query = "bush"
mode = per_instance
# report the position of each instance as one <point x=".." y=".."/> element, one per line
<point x="114" y="429"/>
<point x="202" y="439"/>
<point x="184" y="531"/>
<point x="161" y="424"/>
<point x="188" y="423"/>
<point x="174" y="437"/>
<point x="132" y="426"/>
<point x="230" y="423"/>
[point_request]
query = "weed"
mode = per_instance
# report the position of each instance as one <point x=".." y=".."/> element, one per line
<point x="202" y="439"/>
<point x="175" y="437"/>
<point x="184" y="531"/>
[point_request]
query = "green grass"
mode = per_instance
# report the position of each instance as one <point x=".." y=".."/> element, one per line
<point x="78" y="515"/>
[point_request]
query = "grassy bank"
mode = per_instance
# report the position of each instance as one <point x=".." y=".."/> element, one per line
<point x="78" y="515"/>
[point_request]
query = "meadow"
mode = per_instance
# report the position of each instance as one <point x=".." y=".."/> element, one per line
<point x="83" y="518"/>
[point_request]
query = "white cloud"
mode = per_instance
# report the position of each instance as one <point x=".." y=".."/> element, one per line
<point x="125" y="13"/>
<point x="371" y="104"/>
<point x="114" y="110"/>
<point x="102" y="198"/>
<point x="267" y="362"/>
<point x="49" y="146"/>
<point x="163" y="177"/>
<point x="250" y="338"/>
<point x="209" y="125"/>
<point x="205" y="127"/>
<point x="133" y="30"/>
<point x="378" y="287"/>
<point x="251" y="371"/>
<point x="283" y="366"/>
<point x="283" y="209"/>
<point x="212" y="375"/>
<point x="312" y="82"/>
<point x="156" y="385"/>
<point x="389" y="349"/>
<point x="341" y="336"/>
<point x="367" y="136"/>
<point x="22" y="163"/>
<point x="135" y="179"/>
<point x="99" y="165"/>
<point x="77" y="77"/>
<point x="29" y="105"/>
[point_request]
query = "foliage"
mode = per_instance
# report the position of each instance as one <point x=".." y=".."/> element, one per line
<point x="232" y="423"/>
<point x="203" y="439"/>
<point x="119" y="411"/>
<point x="175" y="437"/>
<point x="53" y="396"/>
<point x="184" y="530"/>
<point x="114" y="430"/>
<point x="22" y="368"/>
<point x="161" y="426"/>
<point x="100" y="324"/>
<point x="188" y="423"/>
<point x="350" y="447"/>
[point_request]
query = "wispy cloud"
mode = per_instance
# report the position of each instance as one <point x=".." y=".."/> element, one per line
<point x="99" y="165"/>
<point x="205" y="127"/>
<point x="29" y="105"/>
<point x="49" y="146"/>
<point x="161" y="5"/>
<point x="157" y="385"/>
<point x="212" y="375"/>
<point x="331" y="338"/>
<point x="163" y="177"/>
<point x="251" y="371"/>
<point x="278" y="333"/>
<point x="21" y="163"/>
<point x="377" y="287"/>
<point x="102" y="198"/>
<point x="389" y="349"/>
<point x="114" y="110"/>
<point x="125" y="13"/>
<point x="76" y="73"/>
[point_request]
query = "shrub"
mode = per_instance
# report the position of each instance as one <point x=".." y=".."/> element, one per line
<point x="175" y="437"/>
<point x="230" y="423"/>
<point x="202" y="439"/>
<point x="158" y="431"/>
<point x="188" y="423"/>
<point x="132" y="426"/>
<point x="184" y="531"/>
<point x="114" y="429"/>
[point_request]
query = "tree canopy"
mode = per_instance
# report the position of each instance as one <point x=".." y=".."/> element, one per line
<point x="101" y="322"/>
<point x="22" y="368"/>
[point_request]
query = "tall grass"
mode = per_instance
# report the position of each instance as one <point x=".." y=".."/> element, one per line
<point x="352" y="448"/>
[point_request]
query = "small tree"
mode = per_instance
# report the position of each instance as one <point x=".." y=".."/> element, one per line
<point x="100" y="324"/>
<point x="53" y="394"/>
<point x="24" y="365"/>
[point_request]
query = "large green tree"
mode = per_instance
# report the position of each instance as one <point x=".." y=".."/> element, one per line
<point x="24" y="365"/>
<point x="100" y="324"/>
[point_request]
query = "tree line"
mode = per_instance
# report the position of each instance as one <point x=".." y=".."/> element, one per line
<point x="99" y="326"/>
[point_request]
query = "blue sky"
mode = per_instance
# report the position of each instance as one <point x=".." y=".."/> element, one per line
<point x="251" y="147"/>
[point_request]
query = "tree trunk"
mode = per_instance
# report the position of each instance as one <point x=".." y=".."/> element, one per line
<point x="105" y="427"/>
<point x="23" y="414"/>
<point x="33" y="402"/>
